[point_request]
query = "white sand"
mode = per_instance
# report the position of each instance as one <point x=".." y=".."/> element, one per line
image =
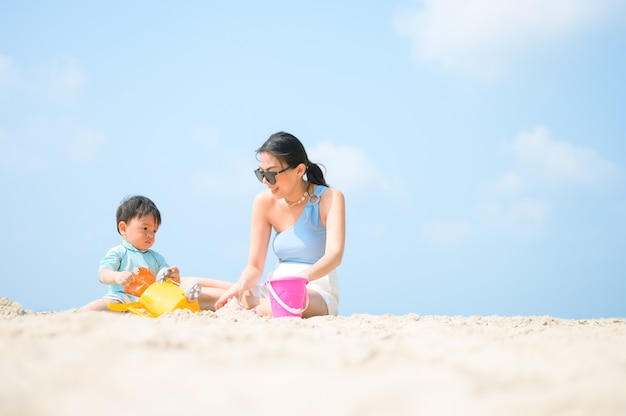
<point x="233" y="362"/>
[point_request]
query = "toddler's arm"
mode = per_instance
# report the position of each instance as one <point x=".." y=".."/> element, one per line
<point x="109" y="277"/>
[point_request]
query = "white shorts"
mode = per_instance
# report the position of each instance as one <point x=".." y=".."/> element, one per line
<point x="120" y="297"/>
<point x="327" y="286"/>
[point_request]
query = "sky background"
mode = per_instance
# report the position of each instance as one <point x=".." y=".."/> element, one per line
<point x="480" y="144"/>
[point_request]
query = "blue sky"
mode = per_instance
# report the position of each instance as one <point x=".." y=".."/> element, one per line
<point x="480" y="144"/>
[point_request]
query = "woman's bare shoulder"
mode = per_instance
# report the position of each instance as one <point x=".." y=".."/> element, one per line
<point x="332" y="197"/>
<point x="333" y="193"/>
<point x="264" y="198"/>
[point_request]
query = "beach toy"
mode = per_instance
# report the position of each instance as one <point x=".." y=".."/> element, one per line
<point x="162" y="296"/>
<point x="288" y="295"/>
<point x="142" y="278"/>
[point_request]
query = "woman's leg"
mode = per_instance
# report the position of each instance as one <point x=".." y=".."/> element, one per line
<point x="317" y="305"/>
<point x="259" y="305"/>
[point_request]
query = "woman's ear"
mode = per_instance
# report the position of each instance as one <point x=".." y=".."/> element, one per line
<point x="301" y="169"/>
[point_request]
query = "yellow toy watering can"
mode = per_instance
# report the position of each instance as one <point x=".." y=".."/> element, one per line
<point x="162" y="296"/>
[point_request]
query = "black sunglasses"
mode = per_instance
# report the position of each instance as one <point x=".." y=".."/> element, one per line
<point x="269" y="176"/>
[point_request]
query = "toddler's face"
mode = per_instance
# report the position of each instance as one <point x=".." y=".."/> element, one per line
<point x="140" y="232"/>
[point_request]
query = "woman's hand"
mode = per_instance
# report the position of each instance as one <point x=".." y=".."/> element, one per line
<point x="236" y="291"/>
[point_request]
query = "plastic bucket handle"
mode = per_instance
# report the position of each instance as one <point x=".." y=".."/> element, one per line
<point x="295" y="311"/>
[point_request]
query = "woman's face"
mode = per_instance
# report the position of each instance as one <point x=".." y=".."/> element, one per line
<point x="285" y="180"/>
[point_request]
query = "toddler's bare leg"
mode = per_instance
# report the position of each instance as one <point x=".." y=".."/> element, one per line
<point x="98" y="305"/>
<point x="211" y="290"/>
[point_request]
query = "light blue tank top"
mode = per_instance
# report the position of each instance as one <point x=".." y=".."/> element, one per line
<point x="305" y="241"/>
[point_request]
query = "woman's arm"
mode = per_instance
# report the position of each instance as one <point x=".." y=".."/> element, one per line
<point x="333" y="215"/>
<point x="260" y="233"/>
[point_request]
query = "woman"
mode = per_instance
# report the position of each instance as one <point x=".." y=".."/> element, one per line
<point x="308" y="218"/>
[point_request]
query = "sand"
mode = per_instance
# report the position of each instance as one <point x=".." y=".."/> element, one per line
<point x="234" y="362"/>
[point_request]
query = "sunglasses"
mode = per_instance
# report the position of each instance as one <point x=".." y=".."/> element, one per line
<point x="269" y="176"/>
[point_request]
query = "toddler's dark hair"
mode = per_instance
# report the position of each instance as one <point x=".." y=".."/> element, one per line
<point x="136" y="206"/>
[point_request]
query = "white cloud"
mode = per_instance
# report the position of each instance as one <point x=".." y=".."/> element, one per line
<point x="81" y="144"/>
<point x="7" y="70"/>
<point x="60" y="79"/>
<point x="542" y="158"/>
<point x="45" y="143"/>
<point x="482" y="36"/>
<point x="222" y="169"/>
<point x="348" y="168"/>
<point x="540" y="163"/>
<point x="38" y="138"/>
<point x="524" y="216"/>
<point x="529" y="212"/>
<point x="206" y="137"/>
<point x="446" y="232"/>
<point x="17" y="155"/>
<point x="510" y="182"/>
<point x="57" y="81"/>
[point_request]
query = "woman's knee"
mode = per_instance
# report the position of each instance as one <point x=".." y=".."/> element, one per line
<point x="317" y="306"/>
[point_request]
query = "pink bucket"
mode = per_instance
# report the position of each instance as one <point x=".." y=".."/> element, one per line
<point x="288" y="296"/>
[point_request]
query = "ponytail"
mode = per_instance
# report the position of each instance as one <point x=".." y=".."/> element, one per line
<point x="314" y="174"/>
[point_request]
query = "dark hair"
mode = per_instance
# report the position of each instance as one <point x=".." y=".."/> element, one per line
<point x="288" y="149"/>
<point x="136" y="207"/>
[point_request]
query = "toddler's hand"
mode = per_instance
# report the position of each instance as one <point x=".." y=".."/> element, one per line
<point x="123" y="278"/>
<point x="174" y="274"/>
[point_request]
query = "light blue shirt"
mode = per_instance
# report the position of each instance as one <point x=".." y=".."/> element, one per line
<point x="125" y="257"/>
<point x="305" y="241"/>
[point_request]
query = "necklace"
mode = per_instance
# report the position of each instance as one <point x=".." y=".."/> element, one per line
<point x="299" y="201"/>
